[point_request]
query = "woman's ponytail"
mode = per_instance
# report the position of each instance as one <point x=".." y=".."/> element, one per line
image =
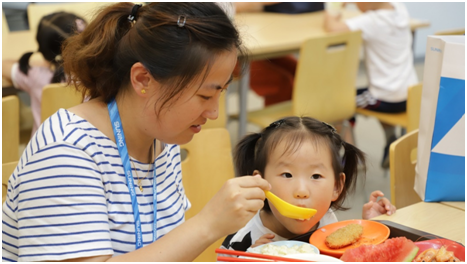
<point x="24" y="62"/>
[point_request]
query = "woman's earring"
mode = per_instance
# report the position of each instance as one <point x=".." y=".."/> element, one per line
<point x="143" y="91"/>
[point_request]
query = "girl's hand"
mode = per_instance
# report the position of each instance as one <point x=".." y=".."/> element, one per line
<point x="234" y="205"/>
<point x="264" y="239"/>
<point x="375" y="208"/>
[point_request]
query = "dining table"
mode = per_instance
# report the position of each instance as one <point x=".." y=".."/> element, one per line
<point x="441" y="219"/>
<point x="269" y="35"/>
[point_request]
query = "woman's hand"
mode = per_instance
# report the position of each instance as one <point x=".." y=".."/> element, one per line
<point x="264" y="239"/>
<point x="235" y="204"/>
<point x="375" y="208"/>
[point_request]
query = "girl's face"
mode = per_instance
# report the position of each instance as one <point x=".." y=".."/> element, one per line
<point x="304" y="177"/>
<point x="177" y="123"/>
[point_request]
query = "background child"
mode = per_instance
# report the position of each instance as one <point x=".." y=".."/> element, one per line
<point x="53" y="29"/>
<point x="387" y="45"/>
<point x="301" y="159"/>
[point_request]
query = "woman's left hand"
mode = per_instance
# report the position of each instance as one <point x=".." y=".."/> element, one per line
<point x="376" y="208"/>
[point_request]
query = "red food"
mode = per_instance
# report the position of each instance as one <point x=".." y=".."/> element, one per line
<point x="392" y="250"/>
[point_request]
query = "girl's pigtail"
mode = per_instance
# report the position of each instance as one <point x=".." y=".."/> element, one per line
<point x="351" y="160"/>
<point x="245" y="154"/>
<point x="24" y="62"/>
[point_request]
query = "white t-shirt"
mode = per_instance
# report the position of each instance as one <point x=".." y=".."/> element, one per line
<point x="68" y="196"/>
<point x="387" y="41"/>
<point x="254" y="229"/>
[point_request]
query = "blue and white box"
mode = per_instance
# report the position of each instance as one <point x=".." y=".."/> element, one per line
<point x="441" y="142"/>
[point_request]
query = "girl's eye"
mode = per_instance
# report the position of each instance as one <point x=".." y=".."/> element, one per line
<point x="287" y="175"/>
<point x="316" y="176"/>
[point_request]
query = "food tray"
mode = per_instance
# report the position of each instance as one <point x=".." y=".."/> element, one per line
<point x="396" y="230"/>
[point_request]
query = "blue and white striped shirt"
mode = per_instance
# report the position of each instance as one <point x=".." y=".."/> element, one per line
<point x="68" y="197"/>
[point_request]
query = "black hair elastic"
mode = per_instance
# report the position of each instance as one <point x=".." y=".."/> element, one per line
<point x="333" y="130"/>
<point x="133" y="13"/>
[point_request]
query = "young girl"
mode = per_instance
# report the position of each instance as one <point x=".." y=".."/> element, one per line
<point x="307" y="164"/>
<point x="53" y="29"/>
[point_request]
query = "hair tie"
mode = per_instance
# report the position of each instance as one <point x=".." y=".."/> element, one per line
<point x="333" y="130"/>
<point x="133" y="13"/>
<point x="181" y="23"/>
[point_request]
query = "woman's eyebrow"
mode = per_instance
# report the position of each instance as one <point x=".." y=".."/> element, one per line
<point x="218" y="87"/>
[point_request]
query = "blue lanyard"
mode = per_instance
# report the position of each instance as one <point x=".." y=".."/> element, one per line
<point x="123" y="151"/>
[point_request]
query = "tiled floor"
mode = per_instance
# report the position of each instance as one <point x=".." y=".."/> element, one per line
<point x="369" y="137"/>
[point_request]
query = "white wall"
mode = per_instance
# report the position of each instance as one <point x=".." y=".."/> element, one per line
<point x="441" y="15"/>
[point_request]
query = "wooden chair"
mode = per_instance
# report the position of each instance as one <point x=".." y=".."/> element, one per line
<point x="7" y="170"/>
<point x="56" y="96"/>
<point x="10" y="128"/>
<point x="402" y="161"/>
<point x="324" y="86"/>
<point x="207" y="166"/>
<point x="221" y="120"/>
<point x="409" y="119"/>
<point x="458" y="31"/>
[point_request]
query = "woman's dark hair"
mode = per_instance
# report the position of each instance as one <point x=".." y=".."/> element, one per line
<point x="173" y="40"/>
<point x="252" y="152"/>
<point x="52" y="31"/>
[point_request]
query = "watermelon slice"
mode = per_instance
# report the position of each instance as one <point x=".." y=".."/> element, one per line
<point x="392" y="250"/>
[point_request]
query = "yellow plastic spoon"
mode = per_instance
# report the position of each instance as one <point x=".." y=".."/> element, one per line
<point x="290" y="210"/>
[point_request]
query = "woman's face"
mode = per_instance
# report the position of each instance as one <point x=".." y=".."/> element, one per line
<point x="304" y="177"/>
<point x="183" y="117"/>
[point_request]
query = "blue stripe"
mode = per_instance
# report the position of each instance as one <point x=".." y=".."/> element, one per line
<point x="7" y="234"/>
<point x="68" y="115"/>
<point x="63" y="253"/>
<point x="9" y="252"/>
<point x="9" y="217"/>
<point x="57" y="176"/>
<point x="63" y="195"/>
<point x="129" y="232"/>
<point x="51" y="130"/>
<point x="128" y="213"/>
<point x="63" y="166"/>
<point x="8" y="259"/>
<point x="43" y="135"/>
<point x="60" y="215"/>
<point x="65" y="244"/>
<point x="67" y="224"/>
<point x="78" y="122"/>
<point x="82" y="136"/>
<point x="36" y="136"/>
<point x="8" y="244"/>
<point x="60" y="121"/>
<point x="58" y="205"/>
<point x="57" y="146"/>
<point x="173" y="214"/>
<point x="69" y="134"/>
<point x="66" y="234"/>
<point x="61" y="156"/>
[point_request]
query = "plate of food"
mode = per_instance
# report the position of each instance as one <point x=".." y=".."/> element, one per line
<point x="334" y="239"/>
<point x="283" y="248"/>
<point x="439" y="250"/>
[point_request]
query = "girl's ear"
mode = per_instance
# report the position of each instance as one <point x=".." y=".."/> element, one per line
<point x="338" y="191"/>
<point x="256" y="172"/>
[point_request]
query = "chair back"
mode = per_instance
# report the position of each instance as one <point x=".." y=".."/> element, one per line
<point x="325" y="78"/>
<point x="207" y="166"/>
<point x="7" y="170"/>
<point x="221" y="120"/>
<point x="10" y="128"/>
<point x="402" y="161"/>
<point x="56" y="96"/>
<point x="414" y="100"/>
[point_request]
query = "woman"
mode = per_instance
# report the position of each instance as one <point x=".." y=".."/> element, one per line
<point x="86" y="185"/>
